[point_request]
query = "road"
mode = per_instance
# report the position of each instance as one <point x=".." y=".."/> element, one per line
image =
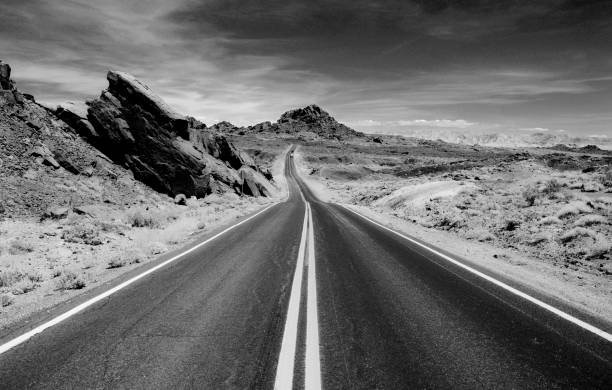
<point x="307" y="295"/>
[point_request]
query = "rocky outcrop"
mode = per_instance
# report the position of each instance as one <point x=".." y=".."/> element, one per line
<point x="9" y="94"/>
<point x="313" y="119"/>
<point x="172" y="153"/>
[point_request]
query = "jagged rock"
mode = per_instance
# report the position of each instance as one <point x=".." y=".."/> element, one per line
<point x="171" y="153"/>
<point x="180" y="199"/>
<point x="5" y="76"/>
<point x="254" y="183"/>
<point x="75" y="115"/>
<point x="377" y="140"/>
<point x="44" y="156"/>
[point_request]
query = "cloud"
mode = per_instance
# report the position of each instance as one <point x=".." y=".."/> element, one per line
<point x="508" y="61"/>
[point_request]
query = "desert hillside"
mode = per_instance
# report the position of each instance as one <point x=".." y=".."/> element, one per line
<point x="90" y="190"/>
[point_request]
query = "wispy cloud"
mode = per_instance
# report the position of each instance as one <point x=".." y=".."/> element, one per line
<point x="522" y="64"/>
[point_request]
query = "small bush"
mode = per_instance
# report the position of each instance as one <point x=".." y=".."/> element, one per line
<point x="116" y="262"/>
<point x="19" y="246"/>
<point x="576" y="233"/>
<point x="8" y="278"/>
<point x="6" y="300"/>
<point x="551" y="187"/>
<point x="530" y="194"/>
<point x="606" y="178"/>
<point x="23" y="287"/>
<point x="70" y="281"/>
<point x="82" y="233"/>
<point x="156" y="248"/>
<point x="143" y="219"/>
<point x="591" y="219"/>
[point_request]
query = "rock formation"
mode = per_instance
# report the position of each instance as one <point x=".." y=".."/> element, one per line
<point x="8" y="92"/>
<point x="170" y="152"/>
<point x="311" y="119"/>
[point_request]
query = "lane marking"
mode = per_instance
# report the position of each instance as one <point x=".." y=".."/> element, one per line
<point x="585" y="325"/>
<point x="312" y="376"/>
<point x="26" y="336"/>
<point x="286" y="358"/>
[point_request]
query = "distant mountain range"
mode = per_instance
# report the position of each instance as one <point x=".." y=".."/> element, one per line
<point x="518" y="139"/>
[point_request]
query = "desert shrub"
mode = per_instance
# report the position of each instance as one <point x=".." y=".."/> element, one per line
<point x="19" y="246"/>
<point x="510" y="225"/>
<point x="140" y="218"/>
<point x="116" y="262"/>
<point x="551" y="220"/>
<point x="530" y="194"/>
<point x="8" y="278"/>
<point x="590" y="219"/>
<point x="34" y="276"/>
<point x="70" y="281"/>
<point x="576" y="233"/>
<point x="82" y="233"/>
<point x="606" y="178"/>
<point x="24" y="286"/>
<point x="156" y="248"/>
<point x="150" y="219"/>
<point x="552" y="186"/>
<point x="573" y="208"/>
<point x="481" y="235"/>
<point x="6" y="300"/>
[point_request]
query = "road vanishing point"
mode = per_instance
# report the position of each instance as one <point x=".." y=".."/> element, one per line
<point x="308" y="295"/>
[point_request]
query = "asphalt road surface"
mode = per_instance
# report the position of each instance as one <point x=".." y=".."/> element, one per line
<point x="310" y="295"/>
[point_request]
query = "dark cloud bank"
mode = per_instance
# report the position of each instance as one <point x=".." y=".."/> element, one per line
<point x="506" y="66"/>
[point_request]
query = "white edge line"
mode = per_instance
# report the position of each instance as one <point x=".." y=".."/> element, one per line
<point x="312" y="374"/>
<point x="593" y="329"/>
<point x="26" y="336"/>
<point x="286" y="358"/>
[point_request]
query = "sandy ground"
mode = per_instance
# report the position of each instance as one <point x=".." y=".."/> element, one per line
<point x="534" y="258"/>
<point x="43" y="263"/>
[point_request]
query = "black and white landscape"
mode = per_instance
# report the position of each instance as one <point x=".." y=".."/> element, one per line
<point x="305" y="195"/>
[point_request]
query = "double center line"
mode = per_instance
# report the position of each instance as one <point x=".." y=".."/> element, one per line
<point x="286" y="361"/>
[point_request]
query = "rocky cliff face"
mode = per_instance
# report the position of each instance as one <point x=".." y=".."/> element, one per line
<point x="170" y="152"/>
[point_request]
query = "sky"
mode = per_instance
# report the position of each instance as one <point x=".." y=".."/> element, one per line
<point x="507" y="66"/>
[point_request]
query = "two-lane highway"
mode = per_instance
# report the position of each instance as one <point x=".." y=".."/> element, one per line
<point x="310" y="294"/>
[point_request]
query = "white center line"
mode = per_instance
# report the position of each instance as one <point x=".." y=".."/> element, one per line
<point x="312" y="376"/>
<point x="286" y="359"/>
